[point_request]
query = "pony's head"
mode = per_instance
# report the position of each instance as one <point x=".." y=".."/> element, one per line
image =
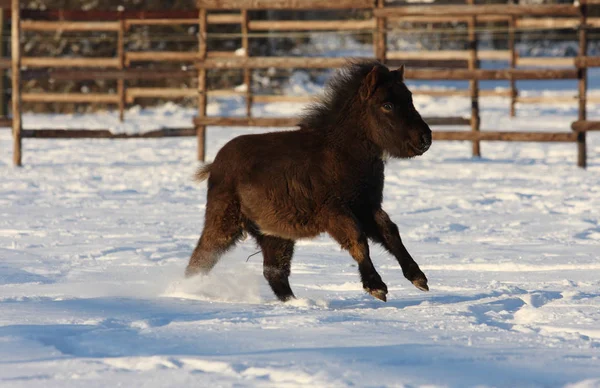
<point x="389" y="115"/>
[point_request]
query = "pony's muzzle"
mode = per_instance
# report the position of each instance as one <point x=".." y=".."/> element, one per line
<point x="426" y="141"/>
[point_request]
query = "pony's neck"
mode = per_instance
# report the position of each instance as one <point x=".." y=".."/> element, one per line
<point x="343" y="129"/>
<point x="350" y="136"/>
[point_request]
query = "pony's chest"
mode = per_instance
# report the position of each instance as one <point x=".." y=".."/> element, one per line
<point x="364" y="185"/>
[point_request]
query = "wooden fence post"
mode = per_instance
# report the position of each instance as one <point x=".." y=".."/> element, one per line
<point x="582" y="83"/>
<point x="2" y="71"/>
<point x="513" y="62"/>
<point x="202" y="84"/>
<point x="16" y="82"/>
<point x="474" y="84"/>
<point x="247" y="72"/>
<point x="121" y="56"/>
<point x="380" y="41"/>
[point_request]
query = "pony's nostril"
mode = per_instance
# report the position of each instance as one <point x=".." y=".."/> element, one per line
<point x="426" y="140"/>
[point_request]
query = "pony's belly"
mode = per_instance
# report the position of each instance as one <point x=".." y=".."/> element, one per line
<point x="282" y="222"/>
<point x="288" y="231"/>
<point x="288" y="214"/>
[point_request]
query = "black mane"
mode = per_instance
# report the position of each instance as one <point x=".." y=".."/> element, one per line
<point x="338" y="92"/>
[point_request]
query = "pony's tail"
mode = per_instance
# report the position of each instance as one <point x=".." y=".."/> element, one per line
<point x="203" y="173"/>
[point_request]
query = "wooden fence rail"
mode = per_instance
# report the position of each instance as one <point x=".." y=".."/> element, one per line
<point x="480" y="10"/>
<point x="381" y="21"/>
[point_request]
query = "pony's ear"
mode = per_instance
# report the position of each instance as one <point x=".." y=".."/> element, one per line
<point x="401" y="72"/>
<point x="369" y="84"/>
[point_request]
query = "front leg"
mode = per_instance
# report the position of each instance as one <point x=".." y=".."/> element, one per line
<point x="346" y="230"/>
<point x="384" y="231"/>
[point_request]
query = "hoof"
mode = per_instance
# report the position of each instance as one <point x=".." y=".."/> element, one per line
<point x="421" y="284"/>
<point x="416" y="277"/>
<point x="286" y="298"/>
<point x="379" y="294"/>
<point x="192" y="271"/>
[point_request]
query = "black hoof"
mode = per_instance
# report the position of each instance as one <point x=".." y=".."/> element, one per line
<point x="421" y="284"/>
<point x="376" y="287"/>
<point x="379" y="294"/>
<point x="417" y="277"/>
<point x="280" y="285"/>
<point x="285" y="298"/>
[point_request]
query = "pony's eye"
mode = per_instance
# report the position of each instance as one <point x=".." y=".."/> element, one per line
<point x="388" y="106"/>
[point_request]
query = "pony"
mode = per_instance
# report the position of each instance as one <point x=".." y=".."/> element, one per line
<point x="325" y="177"/>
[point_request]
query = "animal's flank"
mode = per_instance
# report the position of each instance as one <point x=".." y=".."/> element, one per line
<point x="203" y="173"/>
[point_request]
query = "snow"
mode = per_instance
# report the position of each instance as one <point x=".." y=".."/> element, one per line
<point x="95" y="236"/>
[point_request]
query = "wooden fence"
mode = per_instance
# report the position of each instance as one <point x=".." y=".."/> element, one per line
<point x="382" y="20"/>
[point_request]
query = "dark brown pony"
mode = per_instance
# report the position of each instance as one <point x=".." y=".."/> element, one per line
<point x="326" y="176"/>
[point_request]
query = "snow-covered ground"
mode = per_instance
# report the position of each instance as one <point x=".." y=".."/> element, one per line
<point x="95" y="235"/>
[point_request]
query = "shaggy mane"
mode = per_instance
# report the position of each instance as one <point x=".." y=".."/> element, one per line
<point x="339" y="90"/>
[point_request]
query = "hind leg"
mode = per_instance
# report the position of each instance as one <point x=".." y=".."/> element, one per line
<point x="222" y="229"/>
<point x="277" y="254"/>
